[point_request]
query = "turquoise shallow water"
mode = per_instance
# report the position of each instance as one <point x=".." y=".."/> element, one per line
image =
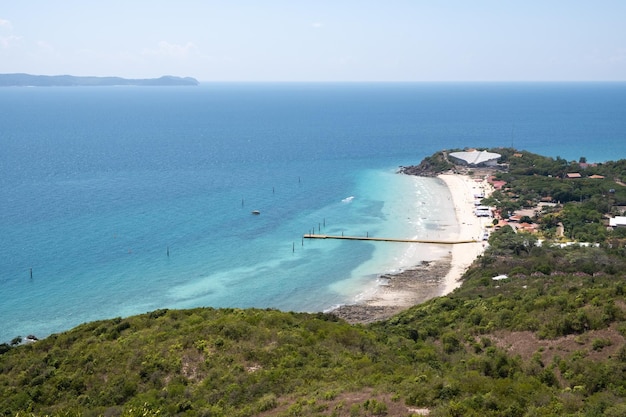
<point x="98" y="184"/>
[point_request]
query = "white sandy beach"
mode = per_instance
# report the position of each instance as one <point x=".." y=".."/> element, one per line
<point x="463" y="190"/>
<point x="434" y="278"/>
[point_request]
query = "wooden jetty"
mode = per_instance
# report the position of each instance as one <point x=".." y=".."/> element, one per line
<point x="387" y="239"/>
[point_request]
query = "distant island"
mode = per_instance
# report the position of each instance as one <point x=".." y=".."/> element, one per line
<point x="28" y="80"/>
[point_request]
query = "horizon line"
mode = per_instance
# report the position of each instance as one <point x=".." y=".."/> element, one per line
<point x="404" y="81"/>
<point x="322" y="81"/>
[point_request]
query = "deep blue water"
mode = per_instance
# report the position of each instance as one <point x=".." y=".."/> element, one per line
<point x="98" y="184"/>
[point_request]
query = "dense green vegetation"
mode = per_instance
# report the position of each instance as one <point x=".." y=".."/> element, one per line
<point x="430" y="166"/>
<point x="195" y="362"/>
<point x="583" y="204"/>
<point x="532" y="177"/>
<point x="549" y="340"/>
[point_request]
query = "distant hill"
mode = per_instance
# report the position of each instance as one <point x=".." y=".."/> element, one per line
<point x="28" y="80"/>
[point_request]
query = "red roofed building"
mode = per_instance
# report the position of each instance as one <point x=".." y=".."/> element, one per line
<point x="497" y="184"/>
<point x="527" y="227"/>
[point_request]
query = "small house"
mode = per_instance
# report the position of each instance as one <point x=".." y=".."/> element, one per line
<point x="618" y="221"/>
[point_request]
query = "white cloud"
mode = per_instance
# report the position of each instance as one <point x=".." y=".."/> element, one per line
<point x="7" y="38"/>
<point x="317" y="25"/>
<point x="171" y="50"/>
<point x="7" y="41"/>
<point x="5" y="24"/>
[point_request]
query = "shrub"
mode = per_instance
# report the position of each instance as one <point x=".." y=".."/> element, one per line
<point x="599" y="344"/>
<point x="267" y="402"/>
<point x="451" y="342"/>
<point x="375" y="408"/>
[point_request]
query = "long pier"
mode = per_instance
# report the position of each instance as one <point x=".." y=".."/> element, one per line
<point x="387" y="239"/>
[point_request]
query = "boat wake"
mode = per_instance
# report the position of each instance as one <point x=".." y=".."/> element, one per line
<point x="348" y="199"/>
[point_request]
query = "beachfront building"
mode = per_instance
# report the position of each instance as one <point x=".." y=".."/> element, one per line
<point x="496" y="184"/>
<point x="618" y="221"/>
<point x="476" y="158"/>
<point x="482" y="211"/>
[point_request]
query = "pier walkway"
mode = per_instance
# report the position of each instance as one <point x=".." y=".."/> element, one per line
<point x="386" y="239"/>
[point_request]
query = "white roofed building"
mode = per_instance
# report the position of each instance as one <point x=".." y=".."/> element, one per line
<point x="476" y="158"/>
<point x="618" y="221"/>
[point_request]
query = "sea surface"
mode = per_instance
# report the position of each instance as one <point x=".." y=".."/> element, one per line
<point x="121" y="200"/>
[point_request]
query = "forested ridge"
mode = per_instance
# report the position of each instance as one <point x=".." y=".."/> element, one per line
<point x="549" y="340"/>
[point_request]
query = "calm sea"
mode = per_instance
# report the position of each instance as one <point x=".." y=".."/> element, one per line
<point x="117" y="201"/>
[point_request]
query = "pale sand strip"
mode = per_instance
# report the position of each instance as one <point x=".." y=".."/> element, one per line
<point x="463" y="189"/>
<point x="433" y="279"/>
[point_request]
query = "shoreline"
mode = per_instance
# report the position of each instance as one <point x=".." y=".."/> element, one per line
<point x="463" y="189"/>
<point x="430" y="279"/>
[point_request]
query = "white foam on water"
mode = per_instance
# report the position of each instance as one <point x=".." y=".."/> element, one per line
<point x="413" y="208"/>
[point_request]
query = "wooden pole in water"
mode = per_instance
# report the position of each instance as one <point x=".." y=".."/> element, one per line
<point x="168" y="251"/>
<point x="241" y="201"/>
<point x="31" y="273"/>
<point x="293" y="247"/>
<point x="324" y="222"/>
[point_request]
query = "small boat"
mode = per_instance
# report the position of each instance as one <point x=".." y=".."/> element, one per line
<point x="257" y="212"/>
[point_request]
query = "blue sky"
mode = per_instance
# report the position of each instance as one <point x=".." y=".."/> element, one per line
<point x="334" y="40"/>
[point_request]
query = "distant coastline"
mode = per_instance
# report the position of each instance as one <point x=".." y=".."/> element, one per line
<point x="28" y="80"/>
